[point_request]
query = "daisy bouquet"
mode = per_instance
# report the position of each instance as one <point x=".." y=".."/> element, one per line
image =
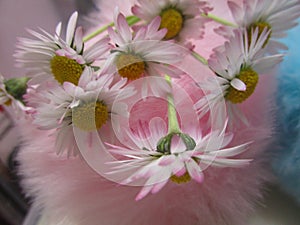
<point x="163" y="115"/>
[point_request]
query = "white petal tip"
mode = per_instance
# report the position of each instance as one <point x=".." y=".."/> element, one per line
<point x="238" y="84"/>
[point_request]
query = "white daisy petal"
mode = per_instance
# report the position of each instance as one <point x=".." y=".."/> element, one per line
<point x="195" y="171"/>
<point x="71" y="28"/>
<point x="66" y="109"/>
<point x="156" y="168"/>
<point x="78" y="39"/>
<point x="238" y="84"/>
<point x="145" y="190"/>
<point x="58" y="30"/>
<point x="233" y="63"/>
<point x="190" y="11"/>
<point x="279" y="15"/>
<point x="157" y="187"/>
<point x="39" y="56"/>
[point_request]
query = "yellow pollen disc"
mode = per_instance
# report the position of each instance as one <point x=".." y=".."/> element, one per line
<point x="130" y="66"/>
<point x="171" y="19"/>
<point x="250" y="78"/>
<point x="8" y="102"/>
<point x="261" y="26"/>
<point x="90" y="116"/>
<point x="182" y="179"/>
<point x="65" y="69"/>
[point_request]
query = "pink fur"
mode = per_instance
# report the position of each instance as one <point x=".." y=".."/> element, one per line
<point x="69" y="190"/>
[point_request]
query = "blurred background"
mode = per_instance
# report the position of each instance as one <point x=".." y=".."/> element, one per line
<point x="15" y="209"/>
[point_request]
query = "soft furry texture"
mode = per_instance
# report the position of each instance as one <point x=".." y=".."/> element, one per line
<point x="287" y="163"/>
<point x="70" y="192"/>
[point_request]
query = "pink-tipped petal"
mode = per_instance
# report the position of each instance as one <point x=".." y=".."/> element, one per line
<point x="144" y="192"/>
<point x="123" y="27"/>
<point x="166" y="160"/>
<point x="157" y="187"/>
<point x="238" y="84"/>
<point x="195" y="171"/>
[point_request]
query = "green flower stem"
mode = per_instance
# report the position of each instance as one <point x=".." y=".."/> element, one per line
<point x="200" y="58"/>
<point x="173" y="126"/>
<point x="97" y="32"/>
<point x="131" y="20"/>
<point x="164" y="144"/>
<point x="218" y="19"/>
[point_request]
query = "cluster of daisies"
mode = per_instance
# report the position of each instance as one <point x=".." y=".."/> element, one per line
<point x="82" y="88"/>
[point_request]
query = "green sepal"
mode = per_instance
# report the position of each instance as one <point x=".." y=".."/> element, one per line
<point x="16" y="87"/>
<point x="164" y="144"/>
<point x="188" y="141"/>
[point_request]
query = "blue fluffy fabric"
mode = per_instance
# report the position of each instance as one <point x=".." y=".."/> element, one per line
<point x="287" y="162"/>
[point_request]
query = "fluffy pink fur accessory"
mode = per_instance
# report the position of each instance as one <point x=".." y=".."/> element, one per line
<point x="70" y="192"/>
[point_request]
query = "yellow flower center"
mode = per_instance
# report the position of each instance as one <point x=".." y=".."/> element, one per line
<point x="65" y="69"/>
<point x="130" y="66"/>
<point x="182" y="179"/>
<point x="90" y="116"/>
<point x="261" y="26"/>
<point x="171" y="19"/>
<point x="250" y="79"/>
<point x="8" y="102"/>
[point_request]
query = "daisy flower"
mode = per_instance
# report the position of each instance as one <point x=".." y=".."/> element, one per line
<point x="49" y="56"/>
<point x="11" y="93"/>
<point x="86" y="107"/>
<point x="278" y="16"/>
<point x="237" y="65"/>
<point x="142" y="53"/>
<point x="161" y="156"/>
<point x="182" y="18"/>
